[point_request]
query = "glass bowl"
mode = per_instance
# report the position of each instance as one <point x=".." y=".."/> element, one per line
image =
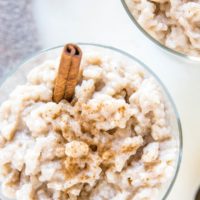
<point x="19" y="77"/>
<point x="165" y="48"/>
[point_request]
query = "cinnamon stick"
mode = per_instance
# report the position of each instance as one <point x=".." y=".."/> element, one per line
<point x="68" y="71"/>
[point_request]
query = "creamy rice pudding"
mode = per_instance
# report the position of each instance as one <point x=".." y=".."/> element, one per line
<point x="112" y="142"/>
<point x="174" y="23"/>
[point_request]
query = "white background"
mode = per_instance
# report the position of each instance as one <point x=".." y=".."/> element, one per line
<point x="106" y="22"/>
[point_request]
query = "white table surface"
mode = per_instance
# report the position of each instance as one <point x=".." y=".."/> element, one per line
<point x="106" y="22"/>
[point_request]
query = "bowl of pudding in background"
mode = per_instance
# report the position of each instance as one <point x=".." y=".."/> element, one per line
<point x="119" y="138"/>
<point x="173" y="26"/>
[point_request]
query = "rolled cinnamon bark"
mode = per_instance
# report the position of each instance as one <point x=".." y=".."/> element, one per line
<point x="68" y="71"/>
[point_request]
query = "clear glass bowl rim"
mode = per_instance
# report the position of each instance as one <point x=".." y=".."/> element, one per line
<point x="148" y="70"/>
<point x="169" y="50"/>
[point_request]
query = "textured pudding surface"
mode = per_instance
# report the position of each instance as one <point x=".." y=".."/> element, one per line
<point x="113" y="141"/>
<point x="174" y="23"/>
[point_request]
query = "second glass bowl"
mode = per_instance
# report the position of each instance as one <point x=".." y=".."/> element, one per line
<point x="167" y="49"/>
